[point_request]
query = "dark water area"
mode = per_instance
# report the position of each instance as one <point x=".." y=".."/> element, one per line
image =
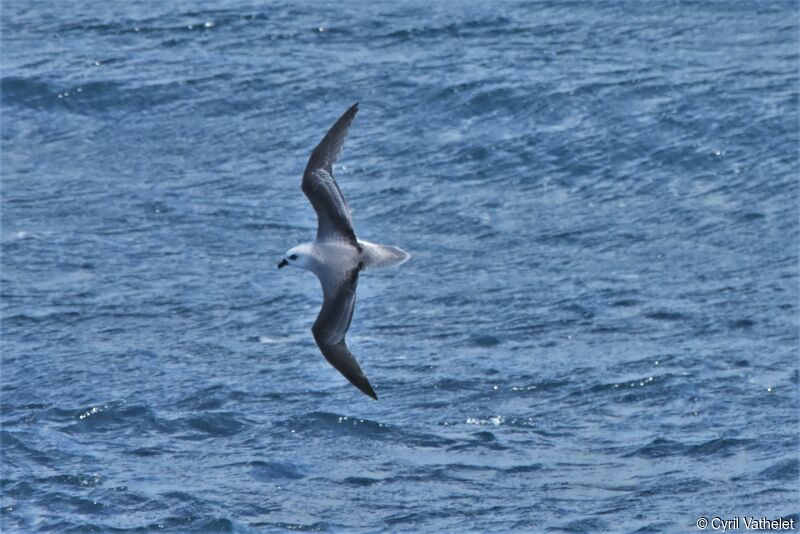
<point x="597" y="332"/>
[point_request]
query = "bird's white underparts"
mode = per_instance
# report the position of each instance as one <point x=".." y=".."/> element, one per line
<point x="336" y="256"/>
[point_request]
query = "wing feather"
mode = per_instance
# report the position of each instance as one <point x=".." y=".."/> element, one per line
<point x="331" y="326"/>
<point x="319" y="185"/>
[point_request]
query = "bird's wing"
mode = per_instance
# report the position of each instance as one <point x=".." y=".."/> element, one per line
<point x="332" y="324"/>
<point x="323" y="192"/>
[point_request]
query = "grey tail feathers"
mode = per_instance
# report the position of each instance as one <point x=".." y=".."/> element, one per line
<point x="382" y="255"/>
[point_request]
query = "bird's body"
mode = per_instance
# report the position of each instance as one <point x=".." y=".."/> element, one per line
<point x="329" y="260"/>
<point x="336" y="257"/>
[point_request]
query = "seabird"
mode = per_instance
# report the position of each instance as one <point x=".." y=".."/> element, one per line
<point x="337" y="256"/>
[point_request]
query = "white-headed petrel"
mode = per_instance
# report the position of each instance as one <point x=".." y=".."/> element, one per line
<point x="336" y="256"/>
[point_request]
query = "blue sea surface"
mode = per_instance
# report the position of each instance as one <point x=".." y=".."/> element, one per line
<point x="598" y="330"/>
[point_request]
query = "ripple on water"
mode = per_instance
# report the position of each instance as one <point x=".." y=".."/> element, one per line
<point x="658" y="448"/>
<point x="213" y="425"/>
<point x="479" y="440"/>
<point x="116" y="416"/>
<point x="336" y="425"/>
<point x="784" y="470"/>
<point x="272" y="471"/>
<point x="719" y="447"/>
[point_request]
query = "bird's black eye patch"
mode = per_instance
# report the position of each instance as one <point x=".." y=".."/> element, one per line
<point x="293" y="257"/>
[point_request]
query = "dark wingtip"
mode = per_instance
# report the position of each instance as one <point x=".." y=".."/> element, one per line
<point x="364" y="385"/>
<point x="371" y="392"/>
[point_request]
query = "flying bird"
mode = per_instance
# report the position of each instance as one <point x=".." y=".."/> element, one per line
<point x="337" y="256"/>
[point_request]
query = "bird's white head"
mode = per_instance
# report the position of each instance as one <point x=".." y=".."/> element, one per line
<point x="299" y="256"/>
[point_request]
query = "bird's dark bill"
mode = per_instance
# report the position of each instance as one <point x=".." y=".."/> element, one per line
<point x="283" y="263"/>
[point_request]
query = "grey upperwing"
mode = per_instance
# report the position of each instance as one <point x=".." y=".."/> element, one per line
<point x="333" y="215"/>
<point x="332" y="324"/>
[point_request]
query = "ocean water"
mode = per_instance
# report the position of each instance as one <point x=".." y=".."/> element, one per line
<point x="597" y="331"/>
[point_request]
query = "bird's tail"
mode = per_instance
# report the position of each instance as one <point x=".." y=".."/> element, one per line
<point x="382" y="255"/>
